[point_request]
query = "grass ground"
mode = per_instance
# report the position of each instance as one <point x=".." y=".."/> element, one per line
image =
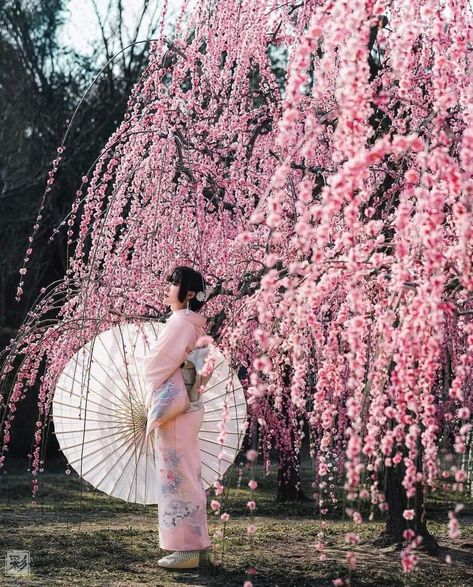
<point x="86" y="538"/>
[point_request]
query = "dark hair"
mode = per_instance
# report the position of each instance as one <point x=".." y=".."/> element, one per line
<point x="189" y="280"/>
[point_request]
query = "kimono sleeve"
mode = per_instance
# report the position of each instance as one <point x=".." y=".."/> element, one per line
<point x="168" y="353"/>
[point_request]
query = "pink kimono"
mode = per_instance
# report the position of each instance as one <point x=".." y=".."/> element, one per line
<point x="182" y="506"/>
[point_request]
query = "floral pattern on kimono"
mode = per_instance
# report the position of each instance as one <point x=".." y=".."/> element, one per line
<point x="170" y="475"/>
<point x="178" y="511"/>
<point x="165" y="396"/>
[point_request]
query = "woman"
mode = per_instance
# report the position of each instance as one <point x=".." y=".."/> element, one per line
<point x="176" y="423"/>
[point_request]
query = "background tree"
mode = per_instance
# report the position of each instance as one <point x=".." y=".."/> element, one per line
<point x="41" y="84"/>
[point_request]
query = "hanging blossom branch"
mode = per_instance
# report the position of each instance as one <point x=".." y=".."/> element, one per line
<point x="380" y="395"/>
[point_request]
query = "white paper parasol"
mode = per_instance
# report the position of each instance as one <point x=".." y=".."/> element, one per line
<point x="100" y="418"/>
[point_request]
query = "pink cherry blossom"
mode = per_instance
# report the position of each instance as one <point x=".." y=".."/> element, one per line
<point x="251" y="455"/>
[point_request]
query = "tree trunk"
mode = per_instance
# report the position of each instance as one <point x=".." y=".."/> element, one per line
<point x="289" y="482"/>
<point x="396" y="524"/>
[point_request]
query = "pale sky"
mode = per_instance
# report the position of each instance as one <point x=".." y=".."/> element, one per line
<point x="82" y="26"/>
